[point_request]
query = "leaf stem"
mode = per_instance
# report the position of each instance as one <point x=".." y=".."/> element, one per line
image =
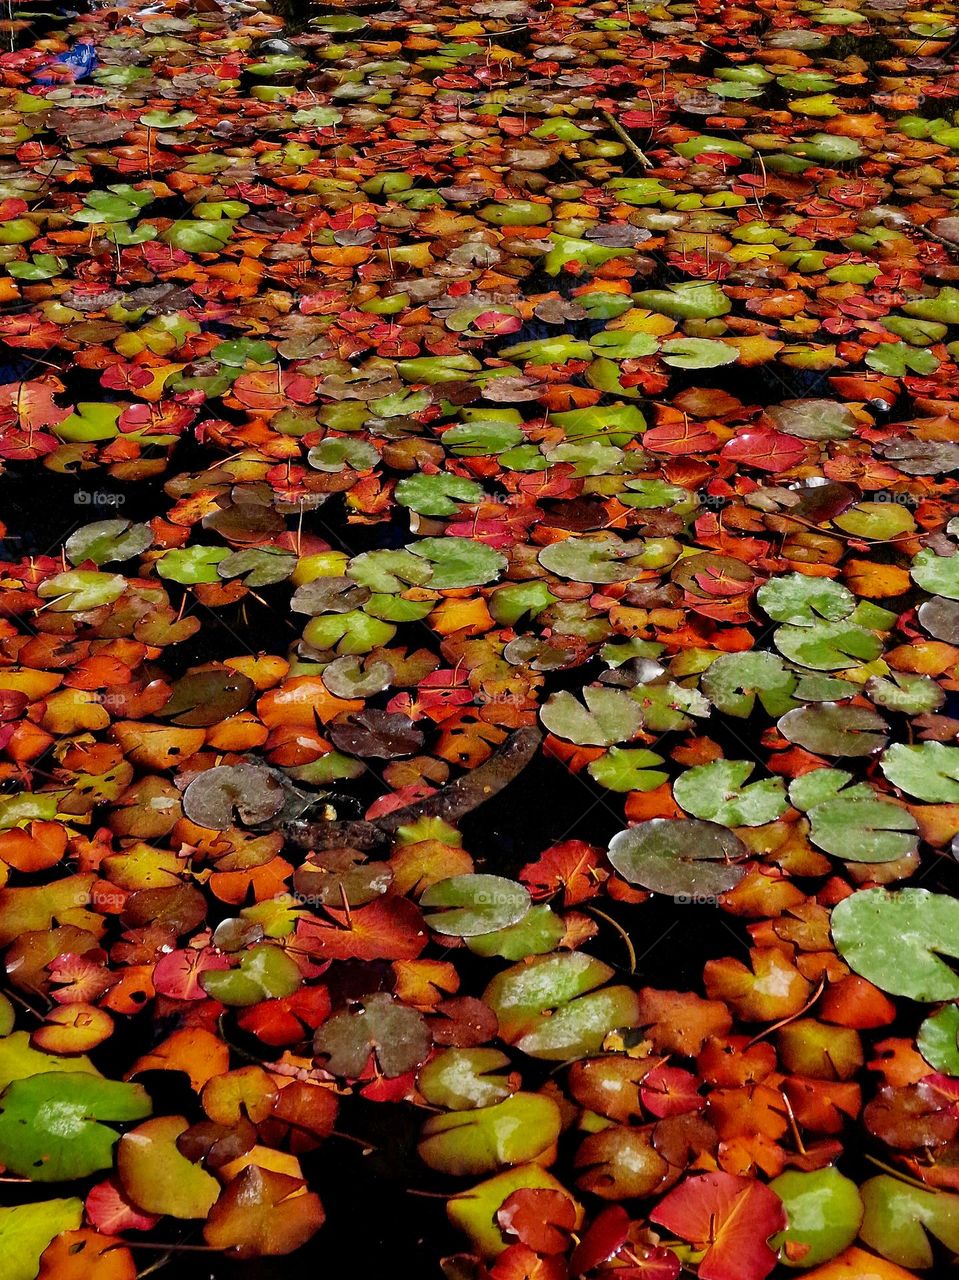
<point x="630" y="949"/>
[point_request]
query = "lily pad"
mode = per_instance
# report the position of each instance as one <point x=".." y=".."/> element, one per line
<point x="900" y="1218"/>
<point x="832" y="729"/>
<point x="609" y="716"/>
<point x="927" y="770"/>
<point x="680" y="858"/>
<point x="27" y="1229"/>
<point x="825" y="1212"/>
<point x="549" y="1007"/>
<point x="467" y="905"/>
<point x="105" y="541"/>
<point x="718" y="792"/>
<point x="898" y="940"/>
<point x="51" y="1126"/>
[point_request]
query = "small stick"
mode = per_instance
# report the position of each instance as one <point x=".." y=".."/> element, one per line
<point x="624" y="137"/>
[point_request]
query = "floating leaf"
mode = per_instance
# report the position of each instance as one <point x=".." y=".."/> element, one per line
<point x="550" y="1008"/>
<point x="898" y="940"/>
<point x="464" y="906"/>
<point x="824" y="1211"/>
<point x="899" y="1216"/>
<point x="521" y="1128"/>
<point x="928" y="770"/>
<point x="731" y="1218"/>
<point x="50" y="1124"/>
<point x="398" y="1037"/>
<point x="27" y="1229"/>
<point x="681" y="858"/>
<point x="157" y="1178"/>
<point x="718" y="792"/>
<point x="608" y="717"/>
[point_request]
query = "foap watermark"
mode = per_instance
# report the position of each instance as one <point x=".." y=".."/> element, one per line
<point x="713" y="501"/>
<point x="482" y="697"/>
<point x="105" y="699"/>
<point x="897" y="498"/>
<point x="696" y="899"/>
<point x="98" y="498"/>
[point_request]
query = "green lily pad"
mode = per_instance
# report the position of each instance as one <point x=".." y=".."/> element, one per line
<point x="587" y="253"/>
<point x="802" y="601"/>
<point x="899" y="359"/>
<point x="42" y="266"/>
<point x="50" y="1128"/>
<point x="459" y="562"/>
<point x="167" y="119"/>
<point x="27" y="1229"/>
<point x="265" y="973"/>
<point x="335" y="453"/>
<point x="484" y="1139"/>
<point x="463" y="906"/>
<point x="938" y="1040"/>
<point x="238" y="351"/>
<point x="352" y="632"/>
<point x="106" y="541"/>
<point x="317" y="117"/>
<point x="668" y="707"/>
<point x="879" y="520"/>
<point x="481" y="439"/>
<point x="828" y="646"/>
<point x="705" y="142"/>
<point x="905" y="692"/>
<point x="106" y="207"/>
<point x="927" y="770"/>
<point x="510" y="604"/>
<point x="78" y="590"/>
<point x="90" y="422"/>
<point x="735" y="680"/>
<point x="826" y="148"/>
<point x="457" y="1079"/>
<point x="190" y="565"/>
<point x="540" y="931"/>
<point x="638" y="191"/>
<point x="689" y="300"/>
<point x="258" y="566"/>
<point x="628" y="769"/>
<point x="433" y="495"/>
<point x="515" y="213"/>
<point x="718" y="792"/>
<point x="599" y="560"/>
<point x="861" y="829"/>
<point x="900" y="1217"/>
<point x="621" y="344"/>
<point x="897" y="941"/>
<point x="697" y="353"/>
<point x="833" y="729"/>
<point x="609" y="716"/>
<point x="936" y="574"/>
<point x="389" y="571"/>
<point x="438" y="368"/>
<point x="824" y="1210"/>
<point x="944" y="307"/>
<point x="549" y="1007"/>
<point x="200" y="235"/>
<point x="550" y="350"/>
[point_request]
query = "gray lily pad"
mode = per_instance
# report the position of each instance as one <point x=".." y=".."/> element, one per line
<point x="680" y="858"/>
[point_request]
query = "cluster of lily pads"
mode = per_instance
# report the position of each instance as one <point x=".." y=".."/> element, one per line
<point x="480" y="400"/>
